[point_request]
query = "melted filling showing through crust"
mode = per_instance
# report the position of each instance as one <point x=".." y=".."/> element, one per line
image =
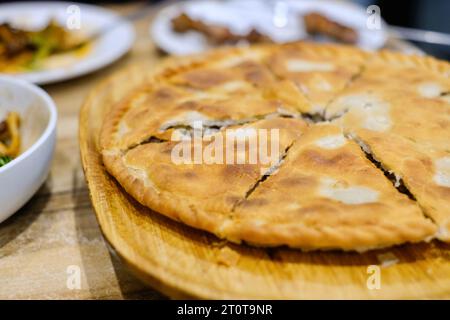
<point x="332" y="189"/>
<point x="442" y="175"/>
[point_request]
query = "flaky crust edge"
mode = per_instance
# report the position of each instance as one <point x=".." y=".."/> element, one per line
<point x="349" y="238"/>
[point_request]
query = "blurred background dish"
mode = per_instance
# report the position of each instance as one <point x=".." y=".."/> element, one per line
<point x="61" y="53"/>
<point x="28" y="170"/>
<point x="208" y="23"/>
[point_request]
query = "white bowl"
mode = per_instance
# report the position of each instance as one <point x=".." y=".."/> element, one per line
<point x="22" y="177"/>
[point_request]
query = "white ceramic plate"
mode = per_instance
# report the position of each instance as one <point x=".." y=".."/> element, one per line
<point x="243" y="15"/>
<point x="23" y="176"/>
<point x="106" y="49"/>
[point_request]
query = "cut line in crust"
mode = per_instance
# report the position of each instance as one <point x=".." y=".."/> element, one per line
<point x="264" y="177"/>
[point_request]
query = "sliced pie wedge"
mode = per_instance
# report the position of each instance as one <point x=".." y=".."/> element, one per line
<point x="399" y="110"/>
<point x="424" y="173"/>
<point x="150" y="112"/>
<point x="319" y="71"/>
<point x="200" y="193"/>
<point x="239" y="71"/>
<point x="328" y="195"/>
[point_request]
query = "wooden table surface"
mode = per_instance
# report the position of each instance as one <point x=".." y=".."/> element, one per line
<point x="57" y="231"/>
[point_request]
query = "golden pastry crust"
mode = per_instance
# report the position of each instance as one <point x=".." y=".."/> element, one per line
<point x="318" y="71"/>
<point x="399" y="109"/>
<point x="190" y="192"/>
<point x="325" y="194"/>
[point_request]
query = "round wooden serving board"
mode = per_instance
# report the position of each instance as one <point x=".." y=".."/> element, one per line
<point x="186" y="263"/>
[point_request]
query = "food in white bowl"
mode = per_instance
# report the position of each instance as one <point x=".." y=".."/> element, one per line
<point x="24" y="172"/>
<point x="9" y="138"/>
